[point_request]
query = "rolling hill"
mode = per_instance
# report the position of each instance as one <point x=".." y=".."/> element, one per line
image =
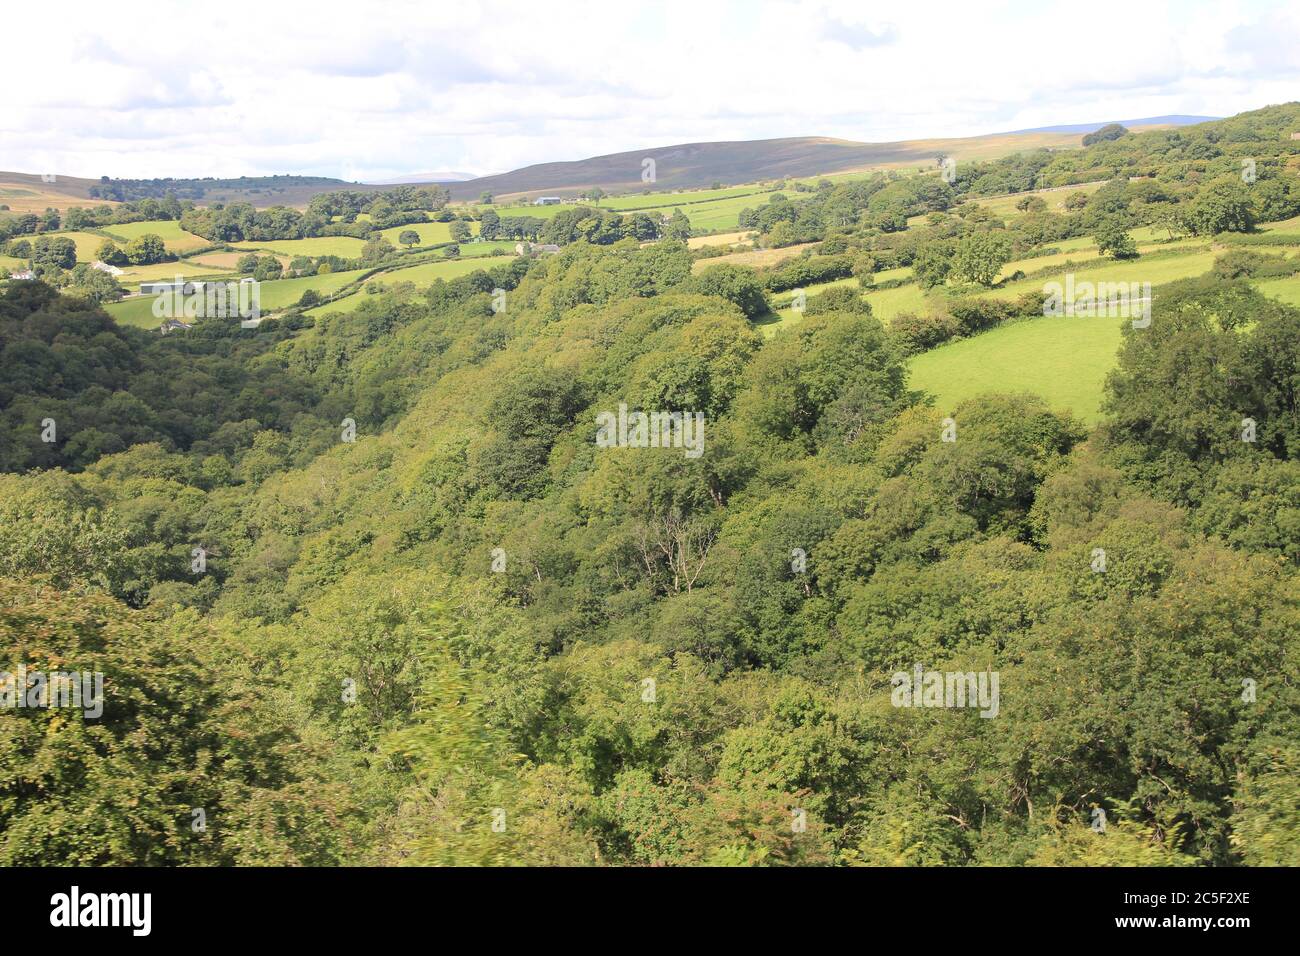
<point x="682" y="166"/>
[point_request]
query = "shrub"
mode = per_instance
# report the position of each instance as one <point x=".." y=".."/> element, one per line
<point x="917" y="333"/>
<point x="842" y="298"/>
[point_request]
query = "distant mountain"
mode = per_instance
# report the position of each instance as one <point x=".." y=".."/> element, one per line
<point x="683" y="166"/>
<point x="694" y="165"/>
<point x="1177" y="119"/>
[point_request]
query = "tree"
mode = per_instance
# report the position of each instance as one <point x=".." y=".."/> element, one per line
<point x="268" y="269"/>
<point x="1276" y="198"/>
<point x="736" y="284"/>
<point x="678" y="226"/>
<point x="980" y="256"/>
<point x="1109" y="132"/>
<point x="109" y="254"/>
<point x="932" y="264"/>
<point x="460" y="231"/>
<point x="408" y="237"/>
<point x="171" y="735"/>
<point x="377" y="248"/>
<point x="93" y="284"/>
<point x="1113" y="240"/>
<point x="54" y="251"/>
<point x="146" y="250"/>
<point x="485" y="198"/>
<point x="1222" y="206"/>
<point x="489" y="224"/>
<point x="841" y="298"/>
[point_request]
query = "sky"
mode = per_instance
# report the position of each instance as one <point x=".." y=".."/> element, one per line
<point x="373" y="91"/>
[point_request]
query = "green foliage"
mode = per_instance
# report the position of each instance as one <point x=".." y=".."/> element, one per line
<point x="670" y="660"/>
<point x="1111" y="131"/>
<point x="737" y="285"/>
<point x="1114" y="241"/>
<point x="1222" y="206"/>
<point x="980" y="256"/>
<point x="181" y="729"/>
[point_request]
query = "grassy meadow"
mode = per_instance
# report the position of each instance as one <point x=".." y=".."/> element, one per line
<point x="1065" y="360"/>
<point x="176" y="239"/>
<point x="344" y="246"/>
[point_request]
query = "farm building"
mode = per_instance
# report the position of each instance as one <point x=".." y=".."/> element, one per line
<point x="105" y="267"/>
<point x="546" y="201"/>
<point x="157" y="288"/>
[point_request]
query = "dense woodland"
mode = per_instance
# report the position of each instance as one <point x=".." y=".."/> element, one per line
<point x="430" y="645"/>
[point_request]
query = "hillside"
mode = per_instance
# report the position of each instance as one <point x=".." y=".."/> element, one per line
<point x="695" y="165"/>
<point x="397" y="591"/>
<point x="682" y="166"/>
<point x="29" y="192"/>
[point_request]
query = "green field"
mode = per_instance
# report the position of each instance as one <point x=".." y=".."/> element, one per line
<point x="709" y="210"/>
<point x="477" y="250"/>
<point x="345" y="247"/>
<point x="1284" y="290"/>
<point x="1063" y="360"/>
<point x="537" y="212"/>
<point x="429" y="232"/>
<point x="1005" y="206"/>
<point x="421" y="275"/>
<point x="87" y="243"/>
<point x="662" y="200"/>
<point x="138" y="310"/>
<point x="175" y="238"/>
<point x="161" y="271"/>
<point x="426" y="272"/>
<point x="721" y="215"/>
<point x="1143" y="269"/>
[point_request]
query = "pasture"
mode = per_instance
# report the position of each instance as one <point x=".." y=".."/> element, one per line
<point x="226" y="260"/>
<point x="426" y="272"/>
<point x="520" y="209"/>
<point x="1065" y="360"/>
<point x="161" y="271"/>
<point x="636" y="203"/>
<point x="480" y="250"/>
<point x="176" y="239"/>
<point x="430" y="233"/>
<point x="87" y="242"/>
<point x="1284" y="290"/>
<point x="720" y="239"/>
<point x="345" y="247"/>
<point x="753" y="258"/>
<point x="138" y="310"/>
<point x="36" y="196"/>
<point x="1157" y="271"/>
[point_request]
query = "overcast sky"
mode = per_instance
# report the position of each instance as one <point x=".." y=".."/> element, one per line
<point x="370" y="91"/>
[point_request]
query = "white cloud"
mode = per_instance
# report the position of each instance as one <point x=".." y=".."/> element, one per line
<point x="322" y="88"/>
